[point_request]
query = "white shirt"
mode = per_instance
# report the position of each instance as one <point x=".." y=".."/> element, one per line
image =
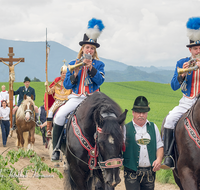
<point x="141" y="133"/>
<point x="5" y="96"/>
<point x="4" y="112"/>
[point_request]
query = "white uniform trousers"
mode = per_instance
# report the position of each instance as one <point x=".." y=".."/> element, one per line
<point x="69" y="106"/>
<point x="175" y="114"/>
<point x="54" y="107"/>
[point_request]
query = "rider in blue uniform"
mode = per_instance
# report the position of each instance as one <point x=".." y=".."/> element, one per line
<point x="83" y="80"/>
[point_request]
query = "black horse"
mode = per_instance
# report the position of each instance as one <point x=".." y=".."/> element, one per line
<point x="187" y="149"/>
<point x="94" y="144"/>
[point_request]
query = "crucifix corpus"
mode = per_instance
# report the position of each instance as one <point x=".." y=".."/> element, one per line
<point x="11" y="76"/>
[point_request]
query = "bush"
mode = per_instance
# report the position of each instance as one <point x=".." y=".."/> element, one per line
<point x="9" y="176"/>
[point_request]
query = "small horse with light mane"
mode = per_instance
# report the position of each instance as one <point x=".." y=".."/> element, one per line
<point x="25" y="121"/>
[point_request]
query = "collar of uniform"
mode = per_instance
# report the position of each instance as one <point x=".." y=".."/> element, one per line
<point x="140" y="126"/>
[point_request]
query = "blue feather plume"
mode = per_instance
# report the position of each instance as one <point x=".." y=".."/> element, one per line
<point x="193" y="23"/>
<point x="193" y="28"/>
<point x="94" y="29"/>
<point x="93" y="22"/>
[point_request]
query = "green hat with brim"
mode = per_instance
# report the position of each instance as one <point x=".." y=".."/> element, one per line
<point x="27" y="79"/>
<point x="141" y="105"/>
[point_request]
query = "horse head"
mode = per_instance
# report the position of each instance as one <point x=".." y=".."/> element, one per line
<point x="26" y="109"/>
<point x="109" y="139"/>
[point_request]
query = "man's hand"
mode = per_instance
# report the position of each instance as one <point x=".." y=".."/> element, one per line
<point x="156" y="165"/>
<point x="198" y="63"/>
<point x="88" y="63"/>
<point x="76" y="70"/>
<point x="185" y="65"/>
<point x="46" y="83"/>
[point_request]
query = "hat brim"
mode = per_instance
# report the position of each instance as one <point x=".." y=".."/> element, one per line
<point x="191" y="45"/>
<point x="91" y="43"/>
<point x="141" y="110"/>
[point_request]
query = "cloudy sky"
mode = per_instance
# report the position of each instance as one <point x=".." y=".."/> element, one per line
<point x="138" y="33"/>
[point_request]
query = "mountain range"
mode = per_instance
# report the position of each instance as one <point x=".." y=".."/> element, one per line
<point x="35" y="61"/>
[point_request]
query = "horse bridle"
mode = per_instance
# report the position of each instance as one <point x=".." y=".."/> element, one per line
<point x="94" y="153"/>
<point x="31" y="113"/>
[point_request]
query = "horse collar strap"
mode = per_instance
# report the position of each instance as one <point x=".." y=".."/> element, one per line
<point x="193" y="134"/>
<point x="85" y="143"/>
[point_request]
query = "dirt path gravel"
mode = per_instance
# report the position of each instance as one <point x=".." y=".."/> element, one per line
<point x="52" y="181"/>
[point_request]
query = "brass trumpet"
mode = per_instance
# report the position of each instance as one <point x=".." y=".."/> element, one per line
<point x="73" y="67"/>
<point x="79" y="63"/>
<point x="192" y="66"/>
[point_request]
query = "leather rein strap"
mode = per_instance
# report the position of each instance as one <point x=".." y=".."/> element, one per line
<point x="93" y="153"/>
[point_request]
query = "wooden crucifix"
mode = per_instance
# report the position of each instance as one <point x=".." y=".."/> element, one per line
<point x="11" y="76"/>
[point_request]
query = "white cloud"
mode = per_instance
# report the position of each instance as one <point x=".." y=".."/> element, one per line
<point x="136" y="32"/>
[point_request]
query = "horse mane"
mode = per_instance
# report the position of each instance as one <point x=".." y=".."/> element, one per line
<point x="100" y="103"/>
<point x="21" y="109"/>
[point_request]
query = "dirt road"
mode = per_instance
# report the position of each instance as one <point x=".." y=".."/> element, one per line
<point x="51" y="181"/>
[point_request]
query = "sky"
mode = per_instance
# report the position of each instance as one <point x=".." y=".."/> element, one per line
<point x="137" y="33"/>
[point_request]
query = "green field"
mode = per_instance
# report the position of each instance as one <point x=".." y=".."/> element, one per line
<point x="161" y="97"/>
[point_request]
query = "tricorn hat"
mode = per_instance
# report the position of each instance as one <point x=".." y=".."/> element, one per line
<point x="193" y="31"/>
<point x="141" y="105"/>
<point x="94" y="30"/>
<point x="27" y="79"/>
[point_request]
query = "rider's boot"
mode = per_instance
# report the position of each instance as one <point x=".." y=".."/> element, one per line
<point x="37" y="120"/>
<point x="168" y="149"/>
<point x="57" y="130"/>
<point x="49" y="127"/>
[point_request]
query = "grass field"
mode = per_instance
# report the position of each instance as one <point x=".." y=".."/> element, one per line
<point x="161" y="97"/>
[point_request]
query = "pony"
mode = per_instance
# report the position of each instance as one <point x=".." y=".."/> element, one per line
<point x="187" y="149"/>
<point x="94" y="144"/>
<point x="25" y="121"/>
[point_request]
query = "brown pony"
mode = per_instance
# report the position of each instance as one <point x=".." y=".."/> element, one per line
<point x="25" y="121"/>
<point x="187" y="138"/>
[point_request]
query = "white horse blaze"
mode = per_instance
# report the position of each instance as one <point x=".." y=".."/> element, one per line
<point x="27" y="116"/>
<point x="111" y="139"/>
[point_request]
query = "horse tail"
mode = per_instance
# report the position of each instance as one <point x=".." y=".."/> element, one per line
<point x="68" y="182"/>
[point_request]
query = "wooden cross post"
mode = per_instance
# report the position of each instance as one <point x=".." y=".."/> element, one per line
<point x="11" y="76"/>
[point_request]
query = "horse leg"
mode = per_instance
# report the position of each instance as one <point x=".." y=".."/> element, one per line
<point x="18" y="138"/>
<point x="187" y="178"/>
<point x="80" y="178"/>
<point x="32" y="138"/>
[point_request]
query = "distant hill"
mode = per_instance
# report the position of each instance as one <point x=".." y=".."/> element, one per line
<point x="134" y="74"/>
<point x="35" y="59"/>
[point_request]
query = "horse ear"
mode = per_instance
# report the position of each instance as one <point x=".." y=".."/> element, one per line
<point x="122" y="117"/>
<point x="32" y="97"/>
<point x="24" y="96"/>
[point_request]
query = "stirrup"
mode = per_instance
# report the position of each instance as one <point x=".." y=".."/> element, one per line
<point x="168" y="167"/>
<point x="55" y="157"/>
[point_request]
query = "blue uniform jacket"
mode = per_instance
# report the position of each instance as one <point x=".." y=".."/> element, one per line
<point x="175" y="85"/>
<point x="96" y="76"/>
<point x="21" y="91"/>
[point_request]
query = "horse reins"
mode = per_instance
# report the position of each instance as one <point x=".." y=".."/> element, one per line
<point x="94" y="152"/>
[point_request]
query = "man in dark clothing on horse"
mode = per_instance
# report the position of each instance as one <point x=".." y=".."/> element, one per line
<point x="25" y="90"/>
<point x="189" y="84"/>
